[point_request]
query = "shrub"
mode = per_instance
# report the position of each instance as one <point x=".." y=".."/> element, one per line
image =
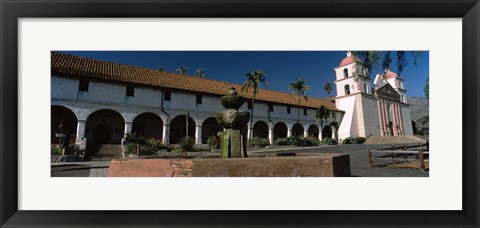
<point x="313" y="141"/>
<point x="72" y="149"/>
<point x="354" y="140"/>
<point x="54" y="150"/>
<point x="131" y="148"/>
<point x="281" y="142"/>
<point x="133" y="137"/>
<point x="153" y="145"/>
<point x="297" y="141"/>
<point x="258" y="142"/>
<point x="293" y="141"/>
<point x="213" y="142"/>
<point x="329" y="141"/>
<point x="186" y="143"/>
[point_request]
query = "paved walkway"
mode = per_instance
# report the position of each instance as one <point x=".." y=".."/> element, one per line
<point x="358" y="162"/>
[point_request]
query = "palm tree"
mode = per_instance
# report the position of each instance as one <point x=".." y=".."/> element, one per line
<point x="253" y="80"/>
<point x="182" y="70"/>
<point x="328" y="87"/>
<point x="322" y="114"/>
<point x="199" y="73"/>
<point x="300" y="88"/>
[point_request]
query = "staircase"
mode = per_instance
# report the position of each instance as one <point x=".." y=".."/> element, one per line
<point x="107" y="152"/>
<point x="408" y="139"/>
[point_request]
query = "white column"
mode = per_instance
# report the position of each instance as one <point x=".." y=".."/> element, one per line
<point x="334" y="129"/>
<point x="81" y="129"/>
<point x="248" y="132"/>
<point x="380" y="117"/>
<point x="81" y="141"/>
<point x="166" y="133"/>
<point x="128" y="127"/>
<point x="270" y="135"/>
<point x="385" y="114"/>
<point x="320" y="134"/>
<point x="394" y="119"/>
<point x="400" y="119"/>
<point x="289" y="133"/>
<point x="198" y="134"/>
<point x="305" y="132"/>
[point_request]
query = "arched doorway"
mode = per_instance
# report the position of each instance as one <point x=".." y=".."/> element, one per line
<point x="63" y="121"/>
<point x="327" y="132"/>
<point x="105" y="127"/>
<point x="148" y="125"/>
<point x="280" y="130"/>
<point x="210" y="127"/>
<point x="178" y="127"/>
<point x="313" y="131"/>
<point x="297" y="130"/>
<point x="260" y="130"/>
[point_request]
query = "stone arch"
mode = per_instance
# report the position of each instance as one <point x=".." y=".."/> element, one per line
<point x="178" y="128"/>
<point x="297" y="130"/>
<point x="280" y="130"/>
<point x="210" y="127"/>
<point x="148" y="125"/>
<point x="63" y="121"/>
<point x="105" y="126"/>
<point x="313" y="131"/>
<point x="345" y="73"/>
<point x="260" y="130"/>
<point x="327" y="132"/>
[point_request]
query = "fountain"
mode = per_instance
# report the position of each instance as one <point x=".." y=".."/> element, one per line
<point x="233" y="140"/>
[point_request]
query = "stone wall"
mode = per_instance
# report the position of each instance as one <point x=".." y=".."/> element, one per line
<point x="322" y="165"/>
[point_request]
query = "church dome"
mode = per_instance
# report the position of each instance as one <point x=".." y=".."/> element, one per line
<point x="390" y="74"/>
<point x="349" y="59"/>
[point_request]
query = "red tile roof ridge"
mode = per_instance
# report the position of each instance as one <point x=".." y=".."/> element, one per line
<point x="72" y="65"/>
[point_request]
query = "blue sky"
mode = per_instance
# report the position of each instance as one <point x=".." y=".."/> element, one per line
<point x="280" y="67"/>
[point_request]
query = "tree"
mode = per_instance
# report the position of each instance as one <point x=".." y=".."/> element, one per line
<point x="299" y="88"/>
<point x="253" y="80"/>
<point x="372" y="58"/>
<point x="200" y="73"/>
<point x="161" y="68"/>
<point x="426" y="89"/>
<point x="182" y="70"/>
<point x="322" y="114"/>
<point x="328" y="87"/>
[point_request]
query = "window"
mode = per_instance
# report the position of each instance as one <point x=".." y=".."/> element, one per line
<point x="304" y="111"/>
<point x="288" y="109"/>
<point x="270" y="107"/>
<point x="333" y="115"/>
<point x="347" y="89"/>
<point x="249" y="104"/>
<point x="345" y="72"/>
<point x="199" y="99"/>
<point x="365" y="88"/>
<point x="83" y="86"/>
<point x="167" y="95"/>
<point x="130" y="91"/>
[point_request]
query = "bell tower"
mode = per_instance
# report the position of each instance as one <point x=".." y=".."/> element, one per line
<point x="351" y="77"/>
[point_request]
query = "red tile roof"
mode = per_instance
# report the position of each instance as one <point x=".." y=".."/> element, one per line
<point x="75" y="66"/>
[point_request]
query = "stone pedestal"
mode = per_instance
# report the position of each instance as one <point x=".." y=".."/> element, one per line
<point x="232" y="144"/>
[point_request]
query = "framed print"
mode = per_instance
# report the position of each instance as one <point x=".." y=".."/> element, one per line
<point x="35" y="34"/>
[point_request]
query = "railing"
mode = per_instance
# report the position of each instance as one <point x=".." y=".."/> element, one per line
<point x="392" y="152"/>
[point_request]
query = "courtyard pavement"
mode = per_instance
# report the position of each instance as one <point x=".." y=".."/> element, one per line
<point x="357" y="153"/>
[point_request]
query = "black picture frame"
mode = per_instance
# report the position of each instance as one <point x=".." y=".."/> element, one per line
<point x="11" y="11"/>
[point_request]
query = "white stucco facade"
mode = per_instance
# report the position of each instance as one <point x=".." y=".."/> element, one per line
<point x="104" y="110"/>
<point x="103" y="95"/>
<point x="379" y="111"/>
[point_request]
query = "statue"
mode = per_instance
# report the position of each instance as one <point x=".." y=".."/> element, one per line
<point x="233" y="140"/>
